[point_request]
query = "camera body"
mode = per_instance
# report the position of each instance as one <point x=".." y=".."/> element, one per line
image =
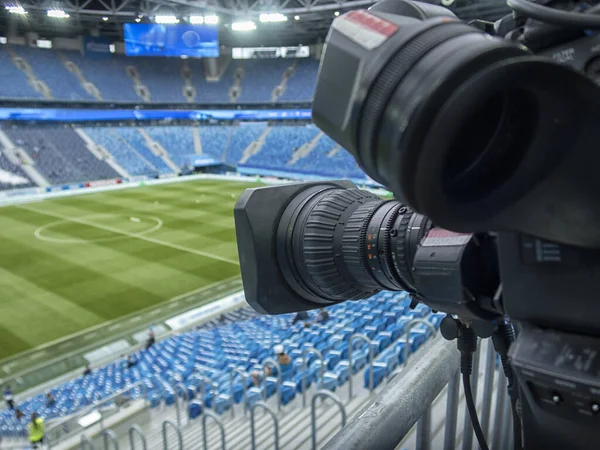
<point x="491" y="137"/>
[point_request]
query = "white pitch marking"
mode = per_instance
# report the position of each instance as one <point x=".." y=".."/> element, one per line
<point x="135" y="219"/>
<point x="132" y="235"/>
<point x="38" y="233"/>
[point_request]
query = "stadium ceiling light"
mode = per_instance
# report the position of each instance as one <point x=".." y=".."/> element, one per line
<point x="211" y="19"/>
<point x="58" y="14"/>
<point x="337" y="13"/>
<point x="272" y="17"/>
<point x="105" y="19"/>
<point x="166" y="19"/>
<point x="13" y="9"/>
<point x="138" y="19"/>
<point x="196" y="20"/>
<point x="243" y="26"/>
<point x="296" y="17"/>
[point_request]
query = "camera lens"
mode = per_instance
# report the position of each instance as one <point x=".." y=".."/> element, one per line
<point x="341" y="244"/>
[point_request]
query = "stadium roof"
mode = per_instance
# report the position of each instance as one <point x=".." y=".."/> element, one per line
<point x="307" y="20"/>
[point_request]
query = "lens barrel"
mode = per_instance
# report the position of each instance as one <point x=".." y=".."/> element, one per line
<point x="341" y="244"/>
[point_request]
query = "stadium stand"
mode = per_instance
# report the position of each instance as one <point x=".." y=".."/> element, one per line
<point x="13" y="81"/>
<point x="12" y="176"/>
<point x="301" y="85"/>
<point x="260" y="79"/>
<point x="126" y="79"/>
<point x="60" y="154"/>
<point x="245" y="342"/>
<point x="109" y="75"/>
<point x="178" y="141"/>
<point x="49" y="67"/>
<point x="114" y="143"/>
<point x="280" y="144"/>
<point x="137" y="144"/>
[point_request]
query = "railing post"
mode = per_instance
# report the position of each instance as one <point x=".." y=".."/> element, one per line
<point x="368" y="341"/>
<point x="135" y="429"/>
<point x="217" y="420"/>
<point x="277" y="366"/>
<point x="203" y="382"/>
<point x="499" y="416"/>
<point x="406" y="335"/>
<point x="86" y="444"/>
<point x="306" y="351"/>
<point x="424" y="431"/>
<point x="168" y="423"/>
<point x="313" y="412"/>
<point x="109" y="435"/>
<point x="275" y="424"/>
<point x="488" y="385"/>
<point x="244" y="376"/>
<point x="451" y="412"/>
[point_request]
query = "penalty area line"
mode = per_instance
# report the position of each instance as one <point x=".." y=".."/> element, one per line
<point x="131" y="235"/>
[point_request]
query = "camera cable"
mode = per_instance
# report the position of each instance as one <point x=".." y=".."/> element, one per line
<point x="467" y="345"/>
<point x="554" y="16"/>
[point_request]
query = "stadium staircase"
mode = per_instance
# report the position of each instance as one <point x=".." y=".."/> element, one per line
<point x="157" y="149"/>
<point x="101" y="153"/>
<point x="334" y="151"/>
<point x="33" y="80"/>
<point x="140" y="89"/>
<point x="236" y="88"/>
<point x="280" y="88"/>
<point x="21" y="159"/>
<point x="255" y="146"/>
<point x="88" y="86"/>
<point x="189" y="91"/>
<point x="305" y="149"/>
<point x="197" y="140"/>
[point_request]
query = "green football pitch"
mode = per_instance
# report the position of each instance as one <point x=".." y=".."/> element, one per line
<point x="71" y="263"/>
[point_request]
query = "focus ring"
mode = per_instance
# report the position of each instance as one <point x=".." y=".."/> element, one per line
<point x="323" y="263"/>
<point x="354" y="244"/>
<point x="392" y="74"/>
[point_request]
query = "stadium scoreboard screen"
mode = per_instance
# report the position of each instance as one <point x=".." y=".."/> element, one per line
<point x="150" y="39"/>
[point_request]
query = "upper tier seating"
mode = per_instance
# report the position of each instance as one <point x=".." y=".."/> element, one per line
<point x="214" y="351"/>
<point x="162" y="77"/>
<point x="13" y="81"/>
<point x="49" y="67"/>
<point x="301" y="85"/>
<point x="60" y="155"/>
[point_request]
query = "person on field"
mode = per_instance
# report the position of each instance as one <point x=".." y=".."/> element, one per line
<point x="36" y="431"/>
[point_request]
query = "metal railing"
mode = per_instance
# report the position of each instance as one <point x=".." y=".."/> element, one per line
<point x="389" y="415"/>
<point x="62" y="429"/>
<point x="424" y="424"/>
<point x="275" y="424"/>
<point x="360" y="337"/>
<point x="388" y="419"/>
<point x="217" y="420"/>
<point x="244" y="376"/>
<point x="132" y="432"/>
<point x="271" y="362"/>
<point x="179" y="387"/>
<point x="305" y="352"/>
<point x="203" y="381"/>
<point x="85" y="443"/>
<point x="165" y="425"/>
<point x="313" y="412"/>
<point x="109" y="436"/>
